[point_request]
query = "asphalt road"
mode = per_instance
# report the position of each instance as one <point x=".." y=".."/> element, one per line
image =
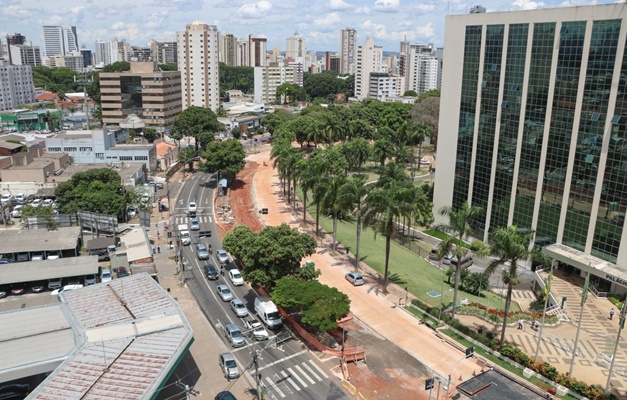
<point x="286" y="368"/>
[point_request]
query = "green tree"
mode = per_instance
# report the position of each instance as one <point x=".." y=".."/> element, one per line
<point x="226" y="157"/>
<point x="427" y="110"/>
<point x="309" y="177"/>
<point x="458" y="227"/>
<point x="325" y="85"/>
<point x="384" y="206"/>
<point x="508" y="246"/>
<point x="477" y="282"/>
<point x="357" y="152"/>
<point x="97" y="190"/>
<point x="382" y="150"/>
<point x="236" y="132"/>
<point x="320" y="305"/>
<point x="151" y="134"/>
<point x="286" y="160"/>
<point x="354" y="192"/>
<point x="120" y="66"/>
<point x="169" y="67"/>
<point x="187" y="156"/>
<point x="410" y="93"/>
<point x="236" y="78"/>
<point x="334" y="202"/>
<point x="271" y="254"/>
<point x="274" y="121"/>
<point x="195" y="120"/>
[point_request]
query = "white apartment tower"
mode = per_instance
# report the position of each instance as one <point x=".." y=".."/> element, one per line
<point x="258" y="48"/>
<point x="228" y="49"/>
<point x="23" y="54"/>
<point x="60" y="40"/>
<point x="422" y="74"/>
<point x="369" y="59"/>
<point x="106" y="52"/>
<point x="296" y="48"/>
<point x="348" y="50"/>
<point x="163" y="52"/>
<point x="198" y="48"/>
<point x="16" y="85"/>
<point x="243" y="53"/>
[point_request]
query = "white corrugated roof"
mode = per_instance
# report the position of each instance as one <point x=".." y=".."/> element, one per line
<point x="25" y="240"/>
<point x="31" y="271"/>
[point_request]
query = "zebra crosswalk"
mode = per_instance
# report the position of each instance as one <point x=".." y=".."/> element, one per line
<point x="292" y="379"/>
<point x="203" y="219"/>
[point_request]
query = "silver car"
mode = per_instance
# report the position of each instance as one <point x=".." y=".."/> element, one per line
<point x="224" y="292"/>
<point x="194" y="224"/>
<point x="228" y="365"/>
<point x="201" y="251"/>
<point x="223" y="257"/>
<point x="256" y="329"/>
<point x="239" y="308"/>
<point x="234" y="334"/>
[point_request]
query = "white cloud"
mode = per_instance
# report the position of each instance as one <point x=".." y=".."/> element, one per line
<point x="425" y="8"/>
<point x="380" y="31"/>
<point x="328" y="20"/>
<point x="254" y="10"/>
<point x="527" y="5"/>
<point x="387" y="5"/>
<point x="339" y="5"/>
<point x="362" y="10"/>
<point x="426" y="31"/>
<point x="16" y="11"/>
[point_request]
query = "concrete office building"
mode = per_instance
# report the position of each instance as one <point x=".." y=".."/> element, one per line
<point x="60" y="40"/>
<point x="332" y="62"/>
<point x="163" y="52"/>
<point x="73" y="61"/>
<point x="228" y="49"/>
<point x="383" y="85"/>
<point x="348" y="50"/>
<point x="16" y="85"/>
<point x="87" y="57"/>
<point x="369" y="59"/>
<point x="198" y="63"/>
<point x="146" y="91"/>
<point x="258" y="48"/>
<point x="534" y="117"/>
<point x="296" y="48"/>
<point x="24" y="54"/>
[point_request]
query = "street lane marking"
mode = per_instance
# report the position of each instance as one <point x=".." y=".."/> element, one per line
<point x="318" y="368"/>
<point x="291" y="382"/>
<point x="282" y="359"/>
<point x="295" y="375"/>
<point x="274" y="387"/>
<point x="312" y="372"/>
<point x="305" y="375"/>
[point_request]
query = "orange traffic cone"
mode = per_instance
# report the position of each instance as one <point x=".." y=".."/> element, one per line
<point x="474" y="373"/>
<point x="460" y="377"/>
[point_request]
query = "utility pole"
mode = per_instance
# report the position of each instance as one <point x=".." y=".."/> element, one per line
<point x="257" y="376"/>
<point x="85" y="82"/>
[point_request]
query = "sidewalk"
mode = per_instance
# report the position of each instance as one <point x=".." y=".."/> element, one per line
<point x="391" y="322"/>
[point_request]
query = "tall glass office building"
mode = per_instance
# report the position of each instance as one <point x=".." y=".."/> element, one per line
<point x="533" y="125"/>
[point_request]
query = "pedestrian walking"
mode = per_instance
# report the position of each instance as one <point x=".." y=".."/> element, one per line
<point x="159" y="249"/>
<point x="520" y="324"/>
<point x="611" y="314"/>
<point x="222" y="270"/>
<point x="153" y="249"/>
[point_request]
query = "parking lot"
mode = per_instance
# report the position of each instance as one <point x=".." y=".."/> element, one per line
<point x="27" y="300"/>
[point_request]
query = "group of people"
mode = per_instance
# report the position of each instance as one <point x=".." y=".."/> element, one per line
<point x="535" y="325"/>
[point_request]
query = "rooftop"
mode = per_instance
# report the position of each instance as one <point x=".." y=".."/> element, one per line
<point x="32" y="271"/>
<point x="163" y="148"/>
<point x="9" y="145"/>
<point x="136" y="244"/>
<point x="29" y="240"/>
<point x="36" y="164"/>
<point x="132" y="147"/>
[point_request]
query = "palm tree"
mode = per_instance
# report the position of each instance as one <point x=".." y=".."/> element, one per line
<point x="333" y="129"/>
<point x="458" y="227"/>
<point x="508" y="246"/>
<point x="477" y="282"/>
<point x="384" y="206"/>
<point x="353" y="192"/>
<point x="333" y="201"/>
<point x="309" y="176"/>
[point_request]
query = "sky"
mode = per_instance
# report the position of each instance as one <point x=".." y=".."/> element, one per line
<point x="387" y="21"/>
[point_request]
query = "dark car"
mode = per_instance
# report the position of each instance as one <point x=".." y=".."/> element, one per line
<point x="225" y="396"/>
<point x="18" y="288"/>
<point x="4" y="291"/>
<point x="211" y="272"/>
<point x="38" y="287"/>
<point x="122" y="272"/>
<point x="15" y="391"/>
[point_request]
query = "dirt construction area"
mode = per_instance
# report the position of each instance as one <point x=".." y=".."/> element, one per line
<point x="388" y="371"/>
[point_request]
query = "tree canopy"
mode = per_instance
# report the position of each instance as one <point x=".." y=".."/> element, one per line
<point x="150" y="134"/>
<point x="269" y="255"/>
<point x="120" y="66"/>
<point x="169" y="67"/>
<point x="275" y="120"/>
<point x="193" y="121"/>
<point x="240" y="78"/>
<point x="320" y="305"/>
<point x="324" y="85"/>
<point x="226" y="157"/>
<point x="97" y="190"/>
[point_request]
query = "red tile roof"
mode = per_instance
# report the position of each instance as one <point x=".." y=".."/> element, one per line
<point x="47" y="96"/>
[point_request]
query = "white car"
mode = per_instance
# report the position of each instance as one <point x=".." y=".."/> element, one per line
<point x="20" y="197"/>
<point x="65" y="289"/>
<point x="6" y="197"/>
<point x="145" y="198"/>
<point x="236" y="277"/>
<point x="17" y="212"/>
<point x="37" y="257"/>
<point x="47" y="203"/>
<point x="36" y="203"/>
<point x="54" y="255"/>
<point x="192" y="207"/>
<point x="105" y="275"/>
<point x="256" y="329"/>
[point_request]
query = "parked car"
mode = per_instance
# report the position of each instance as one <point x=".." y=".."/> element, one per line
<point x="223" y="257"/>
<point x="36" y="203"/>
<point x="6" y="197"/>
<point x="256" y="329"/>
<point x="234" y="335"/>
<point x="38" y="256"/>
<point x="131" y="212"/>
<point x="211" y="272"/>
<point x="239" y="308"/>
<point x="17" y="212"/>
<point x="20" y="197"/>
<point x="89" y="279"/>
<point x="194" y="224"/>
<point x="5" y="261"/>
<point x="66" y="288"/>
<point x="354" y="278"/>
<point x="21" y="257"/>
<point x="224" y="292"/>
<point x="228" y="365"/>
<point x="122" y="272"/>
<point x="159" y="185"/>
<point x="105" y="275"/>
<point x="145" y="198"/>
<point x="236" y="277"/>
<point x="226" y="395"/>
<point x="18" y="288"/>
<point x="201" y="251"/>
<point x="4" y="291"/>
<point x="38" y="287"/>
<point x="54" y="255"/>
<point x="55" y="283"/>
<point x="47" y="203"/>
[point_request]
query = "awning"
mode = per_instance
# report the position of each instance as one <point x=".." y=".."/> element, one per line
<point x="222" y="183"/>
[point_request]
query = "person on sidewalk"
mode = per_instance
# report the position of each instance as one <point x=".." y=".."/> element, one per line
<point x="611" y="314"/>
<point x="159" y="249"/>
<point x="520" y="324"/>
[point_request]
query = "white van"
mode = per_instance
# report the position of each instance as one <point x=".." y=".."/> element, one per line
<point x="466" y="261"/>
<point x="434" y="255"/>
<point x="268" y="312"/>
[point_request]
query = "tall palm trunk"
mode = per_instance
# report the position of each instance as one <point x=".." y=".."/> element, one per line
<point x="304" y="207"/>
<point x="388" y="240"/>
<point x="458" y="270"/>
<point x="317" y="216"/>
<point x="358" y="239"/>
<point x="294" y="185"/>
<point x="508" y="302"/>
<point x="334" y="230"/>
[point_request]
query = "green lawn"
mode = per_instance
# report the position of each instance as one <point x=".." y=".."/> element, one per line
<point x="406" y="268"/>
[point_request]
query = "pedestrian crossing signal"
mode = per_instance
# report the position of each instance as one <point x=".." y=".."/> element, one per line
<point x="470" y="352"/>
<point x="429" y="383"/>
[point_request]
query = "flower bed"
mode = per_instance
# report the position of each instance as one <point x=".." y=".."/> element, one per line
<point x="496" y="316"/>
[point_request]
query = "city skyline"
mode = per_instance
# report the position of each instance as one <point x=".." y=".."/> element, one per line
<point x="388" y="22"/>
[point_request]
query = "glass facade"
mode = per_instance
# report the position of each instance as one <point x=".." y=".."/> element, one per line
<point x="131" y="93"/>
<point x="490" y="87"/>
<point x="468" y="103"/>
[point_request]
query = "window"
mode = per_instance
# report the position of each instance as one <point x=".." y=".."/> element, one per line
<point x="141" y="158"/>
<point x="126" y="158"/>
<point x="99" y="155"/>
<point x="69" y="149"/>
<point x="54" y="149"/>
<point x="85" y="148"/>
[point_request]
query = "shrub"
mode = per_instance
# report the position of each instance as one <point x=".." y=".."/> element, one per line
<point x="477" y="245"/>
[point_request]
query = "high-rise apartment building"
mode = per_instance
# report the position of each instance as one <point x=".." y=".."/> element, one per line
<point x="243" y="54"/>
<point x="369" y="59"/>
<point x="275" y="54"/>
<point x="24" y="54"/>
<point x="146" y="91"/>
<point x="87" y="57"/>
<point x="258" y="50"/>
<point x="296" y="47"/>
<point x="198" y="48"/>
<point x="60" y="40"/>
<point x="228" y="49"/>
<point x="348" y="50"/>
<point x="16" y="85"/>
<point x="106" y="53"/>
<point x="15" y="39"/>
<point x="422" y="74"/>
<point x="534" y="117"/>
<point x="163" y="52"/>
<point x="269" y="78"/>
<point x="332" y="62"/>
<point x="73" y="61"/>
<point x="383" y="85"/>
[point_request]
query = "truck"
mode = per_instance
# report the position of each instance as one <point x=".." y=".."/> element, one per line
<point x="268" y="312"/>
<point x="186" y="238"/>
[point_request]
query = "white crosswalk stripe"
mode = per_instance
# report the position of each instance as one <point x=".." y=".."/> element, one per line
<point x="308" y="368"/>
<point x="297" y="377"/>
<point x="289" y="379"/>
<point x="305" y="375"/>
<point x="274" y="388"/>
<point x="302" y="382"/>
<point x="185" y="220"/>
<point x="318" y="368"/>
